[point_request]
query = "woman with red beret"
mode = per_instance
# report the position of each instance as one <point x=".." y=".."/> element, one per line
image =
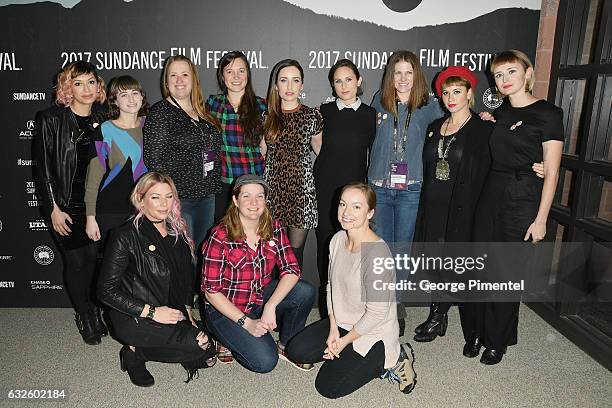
<point x="456" y="162"/>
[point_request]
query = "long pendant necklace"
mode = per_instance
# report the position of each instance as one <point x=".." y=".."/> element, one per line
<point x="442" y="165"/>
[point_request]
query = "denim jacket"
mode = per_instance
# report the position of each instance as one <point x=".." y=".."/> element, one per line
<point x="382" y="150"/>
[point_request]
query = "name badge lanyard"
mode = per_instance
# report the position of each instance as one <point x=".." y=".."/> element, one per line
<point x="397" y="146"/>
<point x="206" y="167"/>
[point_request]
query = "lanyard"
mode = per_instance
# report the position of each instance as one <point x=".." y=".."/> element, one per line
<point x="396" y="143"/>
<point x="195" y="122"/>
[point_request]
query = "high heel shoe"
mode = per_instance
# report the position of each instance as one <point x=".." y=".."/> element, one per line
<point x="98" y="322"/>
<point x="86" y="329"/>
<point x="135" y="367"/>
<point x="433" y="327"/>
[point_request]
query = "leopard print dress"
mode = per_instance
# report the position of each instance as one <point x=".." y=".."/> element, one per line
<point x="288" y="170"/>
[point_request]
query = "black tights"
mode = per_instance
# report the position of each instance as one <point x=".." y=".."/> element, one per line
<point x="297" y="237"/>
<point x="79" y="272"/>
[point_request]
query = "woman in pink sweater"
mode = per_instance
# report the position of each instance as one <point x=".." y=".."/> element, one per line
<point x="359" y="340"/>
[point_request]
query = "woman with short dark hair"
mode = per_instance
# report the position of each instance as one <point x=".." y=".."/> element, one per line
<point x="349" y="128"/>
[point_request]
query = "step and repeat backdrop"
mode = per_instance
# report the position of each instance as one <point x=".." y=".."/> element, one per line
<point x="135" y="37"/>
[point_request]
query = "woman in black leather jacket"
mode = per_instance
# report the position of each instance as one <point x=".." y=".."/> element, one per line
<point x="147" y="279"/>
<point x="62" y="148"/>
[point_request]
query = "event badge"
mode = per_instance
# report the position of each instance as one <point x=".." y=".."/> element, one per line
<point x="398" y="175"/>
<point x="208" y="160"/>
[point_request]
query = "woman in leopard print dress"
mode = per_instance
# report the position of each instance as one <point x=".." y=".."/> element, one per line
<point x="292" y="130"/>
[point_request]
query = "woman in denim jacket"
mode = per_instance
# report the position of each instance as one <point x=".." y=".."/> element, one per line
<point x="404" y="110"/>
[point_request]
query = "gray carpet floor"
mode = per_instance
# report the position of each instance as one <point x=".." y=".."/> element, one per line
<point x="41" y="349"/>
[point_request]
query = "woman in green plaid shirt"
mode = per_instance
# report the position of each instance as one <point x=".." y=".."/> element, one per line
<point x="240" y="111"/>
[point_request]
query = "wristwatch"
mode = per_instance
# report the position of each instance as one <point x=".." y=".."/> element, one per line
<point x="151" y="312"/>
<point x="241" y="321"/>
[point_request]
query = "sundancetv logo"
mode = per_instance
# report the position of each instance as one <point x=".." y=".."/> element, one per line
<point x="29" y="96"/>
<point x="43" y="255"/>
<point x="7" y="284"/>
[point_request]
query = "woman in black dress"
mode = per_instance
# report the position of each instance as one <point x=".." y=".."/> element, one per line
<point x="514" y="204"/>
<point x="456" y="161"/>
<point x="349" y="128"/>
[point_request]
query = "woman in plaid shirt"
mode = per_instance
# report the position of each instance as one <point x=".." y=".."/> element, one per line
<point x="239" y="110"/>
<point x="243" y="302"/>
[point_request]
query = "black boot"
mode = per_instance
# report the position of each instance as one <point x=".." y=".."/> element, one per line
<point x="98" y="322"/>
<point x="420" y="327"/>
<point x="434" y="326"/>
<point x="472" y="348"/>
<point x="86" y="329"/>
<point x="135" y="367"/>
<point x="492" y="356"/>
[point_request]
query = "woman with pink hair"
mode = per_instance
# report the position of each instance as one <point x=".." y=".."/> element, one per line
<point x="147" y="280"/>
<point x="62" y="149"/>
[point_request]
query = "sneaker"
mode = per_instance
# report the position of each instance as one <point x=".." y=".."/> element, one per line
<point x="403" y="372"/>
<point x="224" y="355"/>
<point x="283" y="356"/>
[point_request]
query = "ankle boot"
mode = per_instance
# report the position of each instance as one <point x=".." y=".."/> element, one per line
<point x="135" y="367"/>
<point x="420" y="327"/>
<point x="98" y="322"/>
<point x="86" y="329"/>
<point x="434" y="327"/>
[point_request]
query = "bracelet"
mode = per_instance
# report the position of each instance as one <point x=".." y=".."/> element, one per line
<point x="241" y="321"/>
<point x="151" y="313"/>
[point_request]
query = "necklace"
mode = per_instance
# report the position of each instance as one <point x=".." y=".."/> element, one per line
<point x="442" y="166"/>
<point x="157" y="221"/>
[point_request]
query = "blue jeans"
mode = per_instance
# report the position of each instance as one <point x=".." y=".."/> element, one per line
<point x="259" y="354"/>
<point x="199" y="214"/>
<point x="396" y="212"/>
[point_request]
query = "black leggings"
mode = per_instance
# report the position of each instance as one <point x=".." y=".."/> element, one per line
<point x="341" y="376"/>
<point x="167" y="343"/>
<point x="79" y="272"/>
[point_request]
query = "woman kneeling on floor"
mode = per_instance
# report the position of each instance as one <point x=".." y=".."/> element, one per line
<point x="243" y="302"/>
<point x="359" y="340"/>
<point x="147" y="279"/>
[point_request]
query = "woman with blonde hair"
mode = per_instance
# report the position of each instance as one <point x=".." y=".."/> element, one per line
<point x="62" y="149"/>
<point x="244" y="304"/>
<point x="515" y="204"/>
<point x="148" y="282"/>
<point x="182" y="139"/>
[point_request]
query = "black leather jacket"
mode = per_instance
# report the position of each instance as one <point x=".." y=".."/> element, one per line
<point x="55" y="153"/>
<point x="135" y="272"/>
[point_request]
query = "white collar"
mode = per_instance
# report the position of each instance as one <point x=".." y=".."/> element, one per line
<point x="354" y="106"/>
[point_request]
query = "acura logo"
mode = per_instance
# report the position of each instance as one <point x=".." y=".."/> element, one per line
<point x="30" y="124"/>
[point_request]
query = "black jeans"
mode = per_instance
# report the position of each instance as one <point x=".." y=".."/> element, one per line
<point x="79" y="272"/>
<point x="341" y="376"/>
<point x="167" y="343"/>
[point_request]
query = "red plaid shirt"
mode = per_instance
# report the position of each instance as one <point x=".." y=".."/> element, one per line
<point x="241" y="273"/>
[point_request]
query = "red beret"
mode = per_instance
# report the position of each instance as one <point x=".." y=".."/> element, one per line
<point x="454" y="70"/>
